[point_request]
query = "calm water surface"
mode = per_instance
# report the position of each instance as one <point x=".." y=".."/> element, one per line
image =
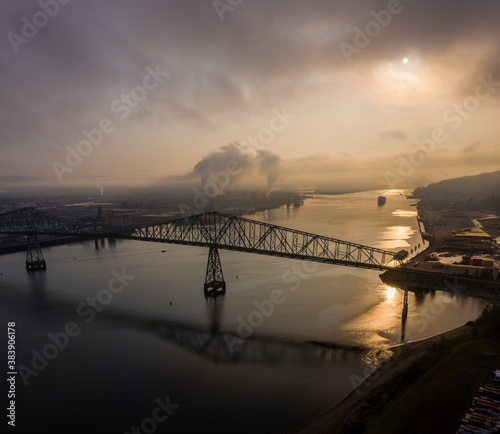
<point x="236" y="364"/>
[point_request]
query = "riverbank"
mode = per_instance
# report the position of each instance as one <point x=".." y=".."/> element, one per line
<point x="451" y="240"/>
<point x="462" y="255"/>
<point x="404" y="356"/>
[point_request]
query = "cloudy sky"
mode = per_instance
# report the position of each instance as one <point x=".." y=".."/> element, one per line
<point x="326" y="94"/>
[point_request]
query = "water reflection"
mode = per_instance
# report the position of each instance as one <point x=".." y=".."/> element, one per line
<point x="396" y="236"/>
<point x="210" y="342"/>
<point x="377" y="326"/>
<point x="214" y="312"/>
<point x="390" y="293"/>
<point x="227" y="347"/>
<point x="38" y="283"/>
<point x="115" y="353"/>
<point x="393" y="192"/>
<point x="404" y="213"/>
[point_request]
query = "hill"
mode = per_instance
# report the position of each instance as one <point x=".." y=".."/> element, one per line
<point x="463" y="189"/>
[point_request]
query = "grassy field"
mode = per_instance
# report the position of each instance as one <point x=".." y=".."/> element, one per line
<point x="434" y="393"/>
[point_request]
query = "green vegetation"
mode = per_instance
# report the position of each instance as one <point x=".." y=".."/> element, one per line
<point x="434" y="392"/>
<point x="488" y="324"/>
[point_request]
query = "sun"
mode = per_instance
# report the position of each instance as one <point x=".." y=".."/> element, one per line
<point x="405" y="60"/>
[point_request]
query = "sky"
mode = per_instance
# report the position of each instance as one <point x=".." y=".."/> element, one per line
<point x="275" y="95"/>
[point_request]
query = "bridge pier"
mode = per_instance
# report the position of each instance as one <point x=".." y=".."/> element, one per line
<point x="405" y="305"/>
<point x="214" y="279"/>
<point x="405" y="300"/>
<point x="405" y="309"/>
<point x="34" y="256"/>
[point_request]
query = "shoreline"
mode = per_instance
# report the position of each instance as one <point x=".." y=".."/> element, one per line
<point x="404" y="355"/>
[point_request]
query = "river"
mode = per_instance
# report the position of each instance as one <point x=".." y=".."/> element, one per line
<point x="287" y="341"/>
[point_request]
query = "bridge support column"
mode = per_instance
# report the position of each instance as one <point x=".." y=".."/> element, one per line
<point x="214" y="279"/>
<point x="405" y="300"/>
<point x="405" y="308"/>
<point x="405" y="305"/>
<point x="34" y="256"/>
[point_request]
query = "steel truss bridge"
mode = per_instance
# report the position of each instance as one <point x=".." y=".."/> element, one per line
<point x="223" y="231"/>
<point x="213" y="230"/>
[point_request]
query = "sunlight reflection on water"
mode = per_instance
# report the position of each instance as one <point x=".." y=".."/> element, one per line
<point x="395" y="236"/>
<point x="390" y="293"/>
<point x="379" y="323"/>
<point x="404" y="213"/>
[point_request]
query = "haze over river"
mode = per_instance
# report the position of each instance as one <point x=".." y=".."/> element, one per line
<point x="228" y="367"/>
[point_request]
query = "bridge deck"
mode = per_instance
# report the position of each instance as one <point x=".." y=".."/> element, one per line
<point x="217" y="230"/>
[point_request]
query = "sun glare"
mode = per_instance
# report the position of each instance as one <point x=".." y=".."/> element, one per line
<point x="405" y="60"/>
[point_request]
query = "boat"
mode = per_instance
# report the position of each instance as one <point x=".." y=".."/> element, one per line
<point x="381" y="200"/>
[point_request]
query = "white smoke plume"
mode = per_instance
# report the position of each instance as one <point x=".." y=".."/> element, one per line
<point x="250" y="162"/>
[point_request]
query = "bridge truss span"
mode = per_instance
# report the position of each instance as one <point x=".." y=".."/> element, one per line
<point x="31" y="221"/>
<point x="237" y="233"/>
<point x="213" y="230"/>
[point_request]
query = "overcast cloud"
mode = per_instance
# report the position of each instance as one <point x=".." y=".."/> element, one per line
<point x="356" y="116"/>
